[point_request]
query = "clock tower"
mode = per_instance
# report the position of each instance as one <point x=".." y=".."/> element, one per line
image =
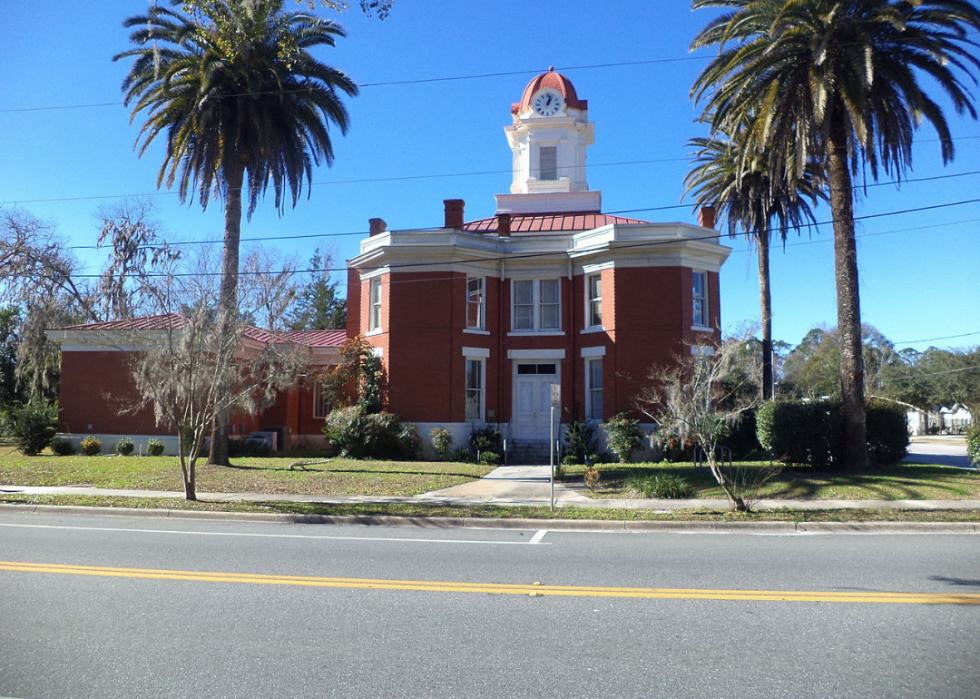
<point x="549" y="137"/>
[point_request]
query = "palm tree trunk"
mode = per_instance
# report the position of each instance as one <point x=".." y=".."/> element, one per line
<point x="854" y="448"/>
<point x="228" y="301"/>
<point x="765" y="308"/>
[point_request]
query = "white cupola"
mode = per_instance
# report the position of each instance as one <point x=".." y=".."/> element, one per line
<point x="548" y="138"/>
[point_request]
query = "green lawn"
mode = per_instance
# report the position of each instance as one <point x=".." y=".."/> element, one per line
<point x="898" y="482"/>
<point x="248" y="475"/>
<point x="497" y="512"/>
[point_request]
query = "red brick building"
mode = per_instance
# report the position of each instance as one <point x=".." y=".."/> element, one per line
<point x="476" y="320"/>
<point x="98" y="391"/>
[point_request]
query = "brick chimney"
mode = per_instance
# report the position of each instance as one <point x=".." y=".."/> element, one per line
<point x="377" y="225"/>
<point x="706" y="217"/>
<point x="503" y="225"/>
<point x="454" y="213"/>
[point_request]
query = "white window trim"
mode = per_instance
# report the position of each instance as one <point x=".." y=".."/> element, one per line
<point x="593" y="352"/>
<point x="535" y="307"/>
<point x="483" y="382"/>
<point x="375" y="324"/>
<point x="556" y="354"/>
<point x="705" y="305"/>
<point x="476" y="352"/>
<point x="589" y="326"/>
<point x="483" y="303"/>
<point x="589" y="388"/>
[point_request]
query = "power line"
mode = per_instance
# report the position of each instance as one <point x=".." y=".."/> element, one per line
<point x="934" y="339"/>
<point x="713" y="236"/>
<point x="387" y="83"/>
<point x="364" y="233"/>
<point x="374" y="180"/>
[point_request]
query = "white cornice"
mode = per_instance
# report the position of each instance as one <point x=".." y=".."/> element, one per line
<point x="616" y="245"/>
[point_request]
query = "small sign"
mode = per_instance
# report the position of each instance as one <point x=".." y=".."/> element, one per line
<point x="556" y="395"/>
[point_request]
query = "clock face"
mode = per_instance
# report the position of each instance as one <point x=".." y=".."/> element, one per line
<point x="548" y="103"/>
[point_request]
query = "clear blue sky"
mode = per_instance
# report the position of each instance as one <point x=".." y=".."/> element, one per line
<point x="413" y="144"/>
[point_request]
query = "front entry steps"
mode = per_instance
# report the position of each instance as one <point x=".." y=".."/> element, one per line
<point x="526" y="451"/>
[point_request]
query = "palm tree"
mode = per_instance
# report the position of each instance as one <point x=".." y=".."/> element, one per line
<point x="242" y="103"/>
<point x="838" y="79"/>
<point x="750" y="200"/>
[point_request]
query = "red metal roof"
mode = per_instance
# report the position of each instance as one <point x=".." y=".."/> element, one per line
<point x="167" y="321"/>
<point x="172" y="321"/>
<point x="317" y="338"/>
<point x="549" y="223"/>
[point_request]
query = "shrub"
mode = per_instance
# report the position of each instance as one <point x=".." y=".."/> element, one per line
<point x="62" y="447"/>
<point x="801" y="433"/>
<point x="810" y="433"/>
<point x="33" y="426"/>
<point x="125" y="446"/>
<point x="409" y="442"/>
<point x="154" y="447"/>
<point x="442" y="442"/>
<point x="623" y="436"/>
<point x="490" y="458"/>
<point x="582" y="442"/>
<point x="888" y="433"/>
<point x="742" y="438"/>
<point x="973" y="445"/>
<point x="660" y="485"/>
<point x="591" y="477"/>
<point x="357" y="434"/>
<point x="571" y="460"/>
<point x="91" y="445"/>
<point x="464" y="456"/>
<point x="486" y="438"/>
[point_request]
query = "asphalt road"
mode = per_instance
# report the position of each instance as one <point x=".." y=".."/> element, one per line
<point x="119" y="607"/>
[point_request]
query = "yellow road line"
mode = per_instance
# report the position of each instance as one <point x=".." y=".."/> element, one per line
<point x="498" y="588"/>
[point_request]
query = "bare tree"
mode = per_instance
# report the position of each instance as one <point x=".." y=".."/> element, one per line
<point x="191" y="374"/>
<point x="702" y="395"/>
<point x="137" y="251"/>
<point x="268" y="286"/>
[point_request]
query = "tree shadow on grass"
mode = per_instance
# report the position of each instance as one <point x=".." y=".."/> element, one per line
<point x="883" y="483"/>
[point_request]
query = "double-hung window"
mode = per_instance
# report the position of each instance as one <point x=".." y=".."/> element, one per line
<point x="374" y="322"/>
<point x="475" y="303"/>
<point x="593" y="389"/>
<point x="536" y="305"/>
<point x="593" y="306"/>
<point x="700" y="296"/>
<point x="321" y="400"/>
<point x="474" y="389"/>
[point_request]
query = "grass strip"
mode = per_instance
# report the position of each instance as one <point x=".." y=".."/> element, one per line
<point x="498" y="512"/>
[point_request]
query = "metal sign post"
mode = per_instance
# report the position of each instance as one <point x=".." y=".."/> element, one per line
<point x="555" y="403"/>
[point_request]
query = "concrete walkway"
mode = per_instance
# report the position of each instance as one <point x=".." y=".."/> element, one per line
<point x="512" y="486"/>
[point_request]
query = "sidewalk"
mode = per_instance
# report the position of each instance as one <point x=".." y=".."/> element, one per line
<point x="511" y="486"/>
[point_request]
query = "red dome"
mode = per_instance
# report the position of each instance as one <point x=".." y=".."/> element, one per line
<point x="553" y="80"/>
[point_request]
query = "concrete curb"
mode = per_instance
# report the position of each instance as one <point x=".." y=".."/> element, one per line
<point x="515" y="523"/>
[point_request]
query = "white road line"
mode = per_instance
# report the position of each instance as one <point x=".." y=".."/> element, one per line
<point x="535" y="540"/>
<point x="538" y="536"/>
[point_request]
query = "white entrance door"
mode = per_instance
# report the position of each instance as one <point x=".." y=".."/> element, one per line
<point x="532" y="399"/>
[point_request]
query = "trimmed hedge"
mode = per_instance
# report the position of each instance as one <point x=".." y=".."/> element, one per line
<point x="810" y="433"/>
